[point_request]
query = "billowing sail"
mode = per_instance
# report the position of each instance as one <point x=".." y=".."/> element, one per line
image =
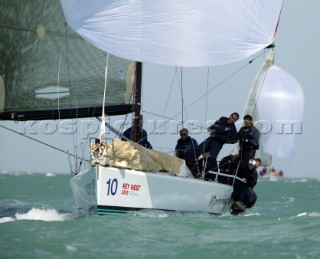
<point x="276" y="102"/>
<point x="280" y="106"/>
<point x="47" y="71"/>
<point x="179" y="33"/>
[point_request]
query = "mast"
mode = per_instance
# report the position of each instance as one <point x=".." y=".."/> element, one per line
<point x="137" y="120"/>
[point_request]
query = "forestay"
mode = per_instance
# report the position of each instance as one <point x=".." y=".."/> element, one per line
<point x="179" y="33"/>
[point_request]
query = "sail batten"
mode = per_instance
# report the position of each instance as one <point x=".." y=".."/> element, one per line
<point x="54" y="114"/>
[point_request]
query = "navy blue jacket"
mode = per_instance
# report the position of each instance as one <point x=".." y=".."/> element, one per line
<point x="244" y="191"/>
<point x="144" y="142"/>
<point x="250" y="175"/>
<point x="223" y="131"/>
<point x="249" y="138"/>
<point x="187" y="149"/>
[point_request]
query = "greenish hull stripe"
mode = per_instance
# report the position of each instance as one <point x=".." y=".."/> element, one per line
<point x="110" y="212"/>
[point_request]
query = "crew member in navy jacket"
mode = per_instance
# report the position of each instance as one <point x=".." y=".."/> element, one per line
<point x="248" y="137"/>
<point x="223" y="131"/>
<point x="187" y="149"/>
<point x="243" y="194"/>
<point x="143" y="141"/>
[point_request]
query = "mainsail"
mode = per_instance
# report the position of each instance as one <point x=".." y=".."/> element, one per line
<point x="276" y="102"/>
<point x="48" y="71"/>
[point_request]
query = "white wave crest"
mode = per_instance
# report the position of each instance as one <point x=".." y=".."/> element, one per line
<point x="43" y="214"/>
<point x="6" y="219"/>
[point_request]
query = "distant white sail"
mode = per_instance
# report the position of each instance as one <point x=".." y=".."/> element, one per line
<point x="280" y="105"/>
<point x="276" y="102"/>
<point x="179" y="33"/>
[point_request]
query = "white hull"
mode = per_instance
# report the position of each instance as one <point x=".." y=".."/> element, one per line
<point x="270" y="177"/>
<point x="275" y="177"/>
<point x="112" y="189"/>
<point x="84" y="188"/>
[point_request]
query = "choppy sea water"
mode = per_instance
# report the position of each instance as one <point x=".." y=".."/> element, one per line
<point x="39" y="219"/>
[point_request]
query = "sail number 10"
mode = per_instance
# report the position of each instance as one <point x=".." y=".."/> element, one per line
<point x="112" y="186"/>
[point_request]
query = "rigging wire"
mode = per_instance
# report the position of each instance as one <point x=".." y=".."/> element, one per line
<point x="207" y="97"/>
<point x="202" y="96"/>
<point x="183" y="107"/>
<point x="182" y="100"/>
<point x="41" y="142"/>
<point x="219" y="84"/>
<point x="175" y="77"/>
<point x="75" y="166"/>
<point x="171" y="87"/>
<point x="206" y="108"/>
<point x="205" y="159"/>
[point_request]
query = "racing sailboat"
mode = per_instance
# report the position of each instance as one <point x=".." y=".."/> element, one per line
<point x="91" y="65"/>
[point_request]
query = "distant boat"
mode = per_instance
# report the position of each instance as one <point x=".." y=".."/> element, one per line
<point x="94" y="69"/>
<point x="270" y="173"/>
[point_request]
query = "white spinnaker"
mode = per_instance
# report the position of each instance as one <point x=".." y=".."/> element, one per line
<point x="280" y="106"/>
<point x="179" y="33"/>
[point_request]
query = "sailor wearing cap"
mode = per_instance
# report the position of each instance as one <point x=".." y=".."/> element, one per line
<point x="243" y="194"/>
<point x="252" y="163"/>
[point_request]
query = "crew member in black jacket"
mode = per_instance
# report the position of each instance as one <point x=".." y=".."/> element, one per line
<point x="243" y="194"/>
<point x="248" y="137"/>
<point x="223" y="131"/>
<point x="187" y="149"/>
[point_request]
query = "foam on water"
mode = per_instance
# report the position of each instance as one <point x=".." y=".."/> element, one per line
<point x="251" y="214"/>
<point x="71" y="248"/>
<point x="302" y="214"/>
<point x="43" y="214"/>
<point x="309" y="214"/>
<point x="50" y="174"/>
<point x="314" y="214"/>
<point x="39" y="214"/>
<point x="151" y="213"/>
<point x="18" y="173"/>
<point x="6" y="219"/>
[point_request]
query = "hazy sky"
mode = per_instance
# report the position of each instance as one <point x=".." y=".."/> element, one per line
<point x="297" y="42"/>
